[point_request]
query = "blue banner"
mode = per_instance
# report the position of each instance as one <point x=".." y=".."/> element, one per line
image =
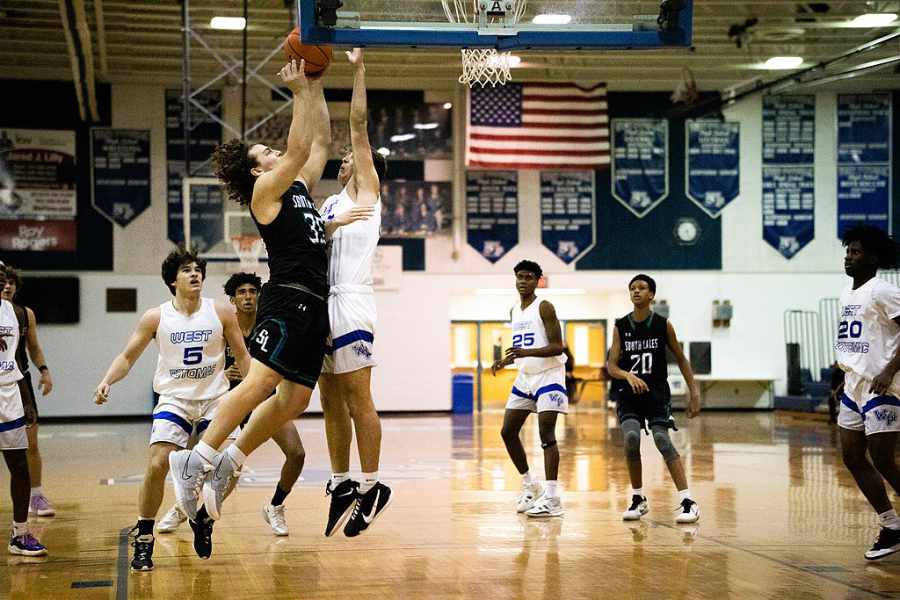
<point x="640" y="172"/>
<point x="713" y="164"/>
<point x="207" y="214"/>
<point x="864" y="161"/>
<point x="120" y="178"/>
<point x="567" y="213"/>
<point x="492" y="212"/>
<point x="788" y="172"/>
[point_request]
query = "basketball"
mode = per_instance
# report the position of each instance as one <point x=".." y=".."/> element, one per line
<point x="317" y="57"/>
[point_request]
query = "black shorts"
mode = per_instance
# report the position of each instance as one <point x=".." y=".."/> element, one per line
<point x="290" y="333"/>
<point x="651" y="408"/>
<point x="29" y="400"/>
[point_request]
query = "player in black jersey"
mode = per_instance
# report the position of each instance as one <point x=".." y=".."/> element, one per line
<point x="288" y="343"/>
<point x="637" y="363"/>
<point x="242" y="290"/>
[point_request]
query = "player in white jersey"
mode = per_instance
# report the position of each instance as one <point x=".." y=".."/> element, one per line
<point x="868" y="350"/>
<point x="191" y="333"/>
<point x="345" y="382"/>
<point x="540" y="387"/>
<point x="13" y="439"/>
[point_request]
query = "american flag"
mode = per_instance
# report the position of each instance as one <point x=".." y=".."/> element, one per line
<point x="537" y="126"/>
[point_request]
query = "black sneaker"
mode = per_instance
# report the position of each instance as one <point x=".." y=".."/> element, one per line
<point x="202" y="529"/>
<point x="888" y="542"/>
<point x="368" y="508"/>
<point x="343" y="497"/>
<point x="143" y="553"/>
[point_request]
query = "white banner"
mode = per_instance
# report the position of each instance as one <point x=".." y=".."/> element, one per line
<point x="37" y="174"/>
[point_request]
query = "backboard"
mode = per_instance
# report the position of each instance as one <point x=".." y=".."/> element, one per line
<point x="589" y="24"/>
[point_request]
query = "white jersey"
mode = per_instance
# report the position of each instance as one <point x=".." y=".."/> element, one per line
<point x="352" y="246"/>
<point x="528" y="332"/>
<point x="9" y="329"/>
<point x="191" y="363"/>
<point x="867" y="337"/>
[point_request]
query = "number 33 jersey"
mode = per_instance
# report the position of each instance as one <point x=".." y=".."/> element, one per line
<point x="528" y="332"/>
<point x="867" y="336"/>
<point x="191" y="363"/>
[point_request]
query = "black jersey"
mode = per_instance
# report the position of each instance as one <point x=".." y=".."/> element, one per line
<point x="643" y="348"/>
<point x="295" y="242"/>
<point x="230" y="360"/>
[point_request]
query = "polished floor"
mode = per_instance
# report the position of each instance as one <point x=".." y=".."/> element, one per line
<point x="780" y="518"/>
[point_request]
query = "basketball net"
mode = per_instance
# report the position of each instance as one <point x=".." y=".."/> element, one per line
<point x="485" y="66"/>
<point x="248" y="249"/>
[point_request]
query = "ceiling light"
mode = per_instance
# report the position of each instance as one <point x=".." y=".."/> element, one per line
<point x="873" y="20"/>
<point x="232" y="23"/>
<point x="551" y="19"/>
<point x="448" y="105"/>
<point x="383" y="151"/>
<point x="425" y="126"/>
<point x="402" y="137"/>
<point x="777" y="63"/>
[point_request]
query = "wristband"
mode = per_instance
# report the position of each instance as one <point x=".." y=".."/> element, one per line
<point x="43" y="368"/>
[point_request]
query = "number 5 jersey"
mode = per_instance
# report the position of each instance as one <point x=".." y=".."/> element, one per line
<point x="867" y="336"/>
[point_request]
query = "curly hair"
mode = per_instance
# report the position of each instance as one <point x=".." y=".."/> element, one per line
<point x="232" y="164"/>
<point x="175" y="260"/>
<point x="875" y="241"/>
<point x="239" y="279"/>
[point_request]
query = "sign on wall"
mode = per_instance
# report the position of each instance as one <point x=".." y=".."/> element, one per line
<point x="713" y="164"/>
<point x="38" y="199"/>
<point x="640" y="164"/>
<point x="120" y="173"/>
<point x="492" y="212"/>
<point x="567" y="213"/>
<point x="207" y="225"/>
<point x="863" y="161"/>
<point x="788" y="172"/>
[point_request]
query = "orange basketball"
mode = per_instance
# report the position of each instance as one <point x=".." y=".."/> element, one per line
<point x="317" y="57"/>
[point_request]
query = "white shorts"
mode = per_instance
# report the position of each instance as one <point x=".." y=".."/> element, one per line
<point x="862" y="410"/>
<point x="540" y="392"/>
<point x="176" y="420"/>
<point x="12" y="418"/>
<point x="350" y="345"/>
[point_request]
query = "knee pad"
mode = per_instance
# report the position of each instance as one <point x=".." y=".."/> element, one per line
<point x="664" y="444"/>
<point x="548" y="444"/>
<point x="632" y="441"/>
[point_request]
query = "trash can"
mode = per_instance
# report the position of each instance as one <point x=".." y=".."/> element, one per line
<point x="463" y="391"/>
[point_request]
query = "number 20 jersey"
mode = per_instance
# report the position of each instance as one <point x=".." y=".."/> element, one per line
<point x="643" y="349"/>
<point x="191" y="363"/>
<point x="867" y="336"/>
<point x="528" y="332"/>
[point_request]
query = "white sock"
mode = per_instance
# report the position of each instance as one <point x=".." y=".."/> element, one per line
<point x="526" y="478"/>
<point x="637" y="492"/>
<point x="550" y="489"/>
<point x="236" y="456"/>
<point x="684" y="494"/>
<point x="889" y="519"/>
<point x="37" y="491"/>
<point x="19" y="529"/>
<point x="368" y="482"/>
<point x="206" y="452"/>
<point x="337" y="478"/>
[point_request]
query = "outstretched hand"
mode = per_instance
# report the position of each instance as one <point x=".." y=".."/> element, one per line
<point x="357" y="213"/>
<point x="355" y="57"/>
<point x="294" y="76"/>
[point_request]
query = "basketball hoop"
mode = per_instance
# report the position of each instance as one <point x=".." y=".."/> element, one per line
<point x="485" y="66"/>
<point x="248" y="249"/>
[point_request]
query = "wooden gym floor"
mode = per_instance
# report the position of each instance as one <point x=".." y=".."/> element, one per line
<point x="780" y="518"/>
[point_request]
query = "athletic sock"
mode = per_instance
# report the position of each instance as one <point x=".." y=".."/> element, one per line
<point x="685" y="494"/>
<point x="19" y="528"/>
<point x="637" y="492"/>
<point x="526" y="478"/>
<point x="550" y="489"/>
<point x="368" y="482"/>
<point x="206" y="452"/>
<point x="279" y="496"/>
<point x="339" y="478"/>
<point x="145" y="526"/>
<point x="37" y="491"/>
<point x="889" y="519"/>
<point x="236" y="456"/>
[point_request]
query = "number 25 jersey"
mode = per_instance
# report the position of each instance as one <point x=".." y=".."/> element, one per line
<point x="528" y="332"/>
<point x="867" y="336"/>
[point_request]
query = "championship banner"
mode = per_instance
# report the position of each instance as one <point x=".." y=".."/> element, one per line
<point x="863" y="161"/>
<point x="207" y="220"/>
<point x="788" y="172"/>
<point x="713" y="164"/>
<point x="567" y="213"/>
<point x="37" y="174"/>
<point x="492" y="212"/>
<point x="120" y="173"/>
<point x="640" y="163"/>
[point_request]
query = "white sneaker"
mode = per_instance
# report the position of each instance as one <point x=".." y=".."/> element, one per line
<point x="171" y="520"/>
<point x="274" y="516"/>
<point x="690" y="512"/>
<point x="546" y="507"/>
<point x="638" y="508"/>
<point x="530" y="493"/>
<point x="189" y="471"/>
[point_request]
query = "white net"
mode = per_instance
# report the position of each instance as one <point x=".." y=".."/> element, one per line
<point x="248" y="249"/>
<point x="485" y="66"/>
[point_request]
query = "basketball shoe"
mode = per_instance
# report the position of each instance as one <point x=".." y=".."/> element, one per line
<point x="545" y="506"/>
<point x="218" y="484"/>
<point x="40" y="506"/>
<point x="26" y="545"/>
<point x="530" y="494"/>
<point x="171" y="520"/>
<point x="368" y="507"/>
<point x="343" y="498"/>
<point x="143" y="553"/>
<point x="888" y="542"/>
<point x="274" y="516"/>
<point x="202" y="528"/>
<point x="690" y="512"/>
<point x="638" y="508"/>
<point x="189" y="471"/>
